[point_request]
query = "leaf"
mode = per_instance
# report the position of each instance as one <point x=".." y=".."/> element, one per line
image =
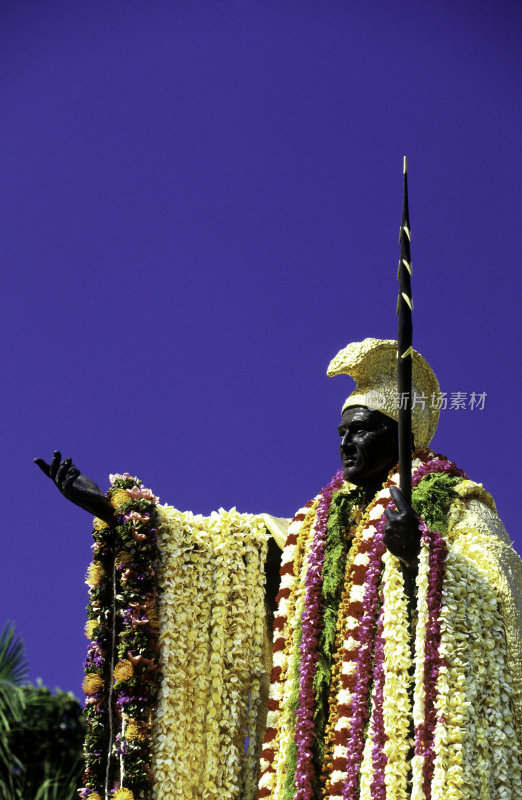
<point x="13" y="665"/>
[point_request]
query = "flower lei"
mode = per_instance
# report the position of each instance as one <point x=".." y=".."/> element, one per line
<point x="366" y="741"/>
<point x="212" y="637"/>
<point x="308" y="646"/>
<point x="470" y="746"/>
<point x="122" y="666"/>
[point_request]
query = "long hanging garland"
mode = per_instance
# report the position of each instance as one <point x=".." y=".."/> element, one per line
<point x="351" y="741"/>
<point x="214" y="648"/>
<point x="122" y="673"/>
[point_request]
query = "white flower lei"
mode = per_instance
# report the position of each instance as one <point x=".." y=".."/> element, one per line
<point x="397" y="662"/>
<point x="420" y="654"/>
<point x="211" y="636"/>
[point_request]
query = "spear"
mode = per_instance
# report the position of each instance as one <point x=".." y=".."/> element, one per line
<point x="404" y="348"/>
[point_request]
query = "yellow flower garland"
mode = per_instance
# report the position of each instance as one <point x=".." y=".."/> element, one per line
<point x="420" y="653"/>
<point x="211" y="635"/>
<point x="397" y="662"/>
<point x="475" y="741"/>
<point x="366" y="773"/>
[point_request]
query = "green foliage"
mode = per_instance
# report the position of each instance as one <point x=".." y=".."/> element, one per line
<point x="48" y="738"/>
<point x="40" y="732"/>
<point x="431" y="499"/>
<point x="13" y="668"/>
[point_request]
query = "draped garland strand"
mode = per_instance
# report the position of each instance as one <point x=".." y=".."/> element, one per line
<point x="122" y="672"/>
<point x="212" y="638"/>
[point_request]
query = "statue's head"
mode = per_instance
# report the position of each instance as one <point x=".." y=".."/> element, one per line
<point x="373" y="365"/>
<point x="368" y="447"/>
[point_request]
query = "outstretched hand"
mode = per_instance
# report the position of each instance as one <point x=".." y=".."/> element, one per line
<point x="77" y="488"/>
<point x="401" y="533"/>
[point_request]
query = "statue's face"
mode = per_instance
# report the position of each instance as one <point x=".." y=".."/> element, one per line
<point x="368" y="446"/>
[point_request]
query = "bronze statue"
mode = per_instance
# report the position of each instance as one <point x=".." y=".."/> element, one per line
<point x="385" y="549"/>
<point x="395" y="669"/>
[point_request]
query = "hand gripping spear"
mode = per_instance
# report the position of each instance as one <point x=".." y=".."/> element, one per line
<point x="404" y="348"/>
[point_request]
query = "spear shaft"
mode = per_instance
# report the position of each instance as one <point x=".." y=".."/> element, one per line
<point x="404" y="347"/>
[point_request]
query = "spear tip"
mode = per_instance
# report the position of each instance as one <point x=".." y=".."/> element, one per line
<point x="404" y="166"/>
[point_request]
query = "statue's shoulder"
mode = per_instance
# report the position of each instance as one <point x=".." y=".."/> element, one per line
<point x="278" y="528"/>
<point x="473" y="511"/>
<point x="469" y="490"/>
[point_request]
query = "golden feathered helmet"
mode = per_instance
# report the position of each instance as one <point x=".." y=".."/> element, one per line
<point x="372" y="363"/>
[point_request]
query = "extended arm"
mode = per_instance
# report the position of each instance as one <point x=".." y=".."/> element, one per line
<point x="77" y="488"/>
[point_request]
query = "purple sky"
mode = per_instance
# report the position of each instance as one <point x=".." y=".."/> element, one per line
<point x="200" y="206"/>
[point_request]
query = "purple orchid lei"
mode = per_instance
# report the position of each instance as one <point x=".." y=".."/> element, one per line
<point x="424" y="735"/>
<point x="379" y="758"/>
<point x="438" y="464"/>
<point x="311" y="623"/>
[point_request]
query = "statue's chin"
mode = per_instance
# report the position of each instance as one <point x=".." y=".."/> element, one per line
<point x="351" y="473"/>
